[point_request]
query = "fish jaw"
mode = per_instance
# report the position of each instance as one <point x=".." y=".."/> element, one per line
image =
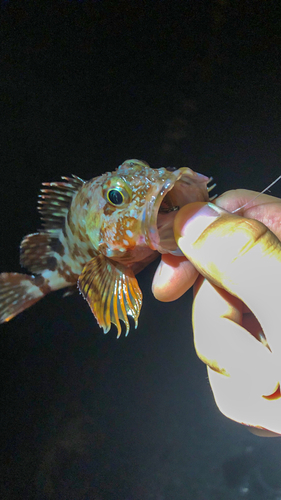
<point x="185" y="186"/>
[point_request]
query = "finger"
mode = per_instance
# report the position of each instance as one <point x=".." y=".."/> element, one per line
<point x="265" y="208"/>
<point x="225" y="346"/>
<point x="241" y="255"/>
<point x="173" y="277"/>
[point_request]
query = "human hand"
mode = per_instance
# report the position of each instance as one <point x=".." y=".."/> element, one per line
<point x="237" y="303"/>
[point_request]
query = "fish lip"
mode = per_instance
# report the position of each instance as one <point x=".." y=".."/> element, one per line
<point x="185" y="187"/>
<point x="150" y="216"/>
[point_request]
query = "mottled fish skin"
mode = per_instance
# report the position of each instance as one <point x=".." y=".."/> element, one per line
<point x="98" y="234"/>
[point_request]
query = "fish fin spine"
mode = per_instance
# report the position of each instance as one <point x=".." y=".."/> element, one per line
<point x="55" y="200"/>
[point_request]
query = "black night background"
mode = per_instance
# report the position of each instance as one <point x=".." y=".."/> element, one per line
<point x="83" y="87"/>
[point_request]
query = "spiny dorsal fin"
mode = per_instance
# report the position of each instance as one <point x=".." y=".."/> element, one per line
<point x="55" y="200"/>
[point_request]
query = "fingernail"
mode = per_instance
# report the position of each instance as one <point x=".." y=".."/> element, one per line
<point x="198" y="222"/>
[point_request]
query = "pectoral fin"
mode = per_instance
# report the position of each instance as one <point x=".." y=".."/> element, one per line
<point x="111" y="291"/>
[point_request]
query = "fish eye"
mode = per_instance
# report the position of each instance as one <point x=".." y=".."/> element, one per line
<point x="115" y="196"/>
<point x="117" y="192"/>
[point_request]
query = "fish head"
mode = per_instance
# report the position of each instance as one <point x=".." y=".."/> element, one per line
<point x="136" y="209"/>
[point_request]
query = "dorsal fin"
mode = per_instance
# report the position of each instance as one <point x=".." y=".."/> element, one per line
<point x="55" y="200"/>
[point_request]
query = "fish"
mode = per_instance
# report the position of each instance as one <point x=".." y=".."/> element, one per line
<point x="97" y="235"/>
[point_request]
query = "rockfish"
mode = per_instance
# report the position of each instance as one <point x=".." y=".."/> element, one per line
<point x="98" y="234"/>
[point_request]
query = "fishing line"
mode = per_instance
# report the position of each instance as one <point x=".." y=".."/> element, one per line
<point x="264" y="191"/>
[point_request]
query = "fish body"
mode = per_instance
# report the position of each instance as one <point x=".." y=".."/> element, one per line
<point x="99" y="234"/>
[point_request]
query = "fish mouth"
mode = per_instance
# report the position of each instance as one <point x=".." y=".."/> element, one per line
<point x="167" y="212"/>
<point x="182" y="186"/>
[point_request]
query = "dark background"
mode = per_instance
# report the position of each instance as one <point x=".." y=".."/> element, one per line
<point x="84" y="86"/>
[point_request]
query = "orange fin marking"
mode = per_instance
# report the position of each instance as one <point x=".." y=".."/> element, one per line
<point x="106" y="308"/>
<point x="134" y="300"/>
<point x="111" y="291"/>
<point x="115" y="316"/>
<point x="122" y="304"/>
<point x="136" y="296"/>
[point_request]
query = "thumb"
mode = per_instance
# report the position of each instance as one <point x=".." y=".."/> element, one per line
<point x="240" y="255"/>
